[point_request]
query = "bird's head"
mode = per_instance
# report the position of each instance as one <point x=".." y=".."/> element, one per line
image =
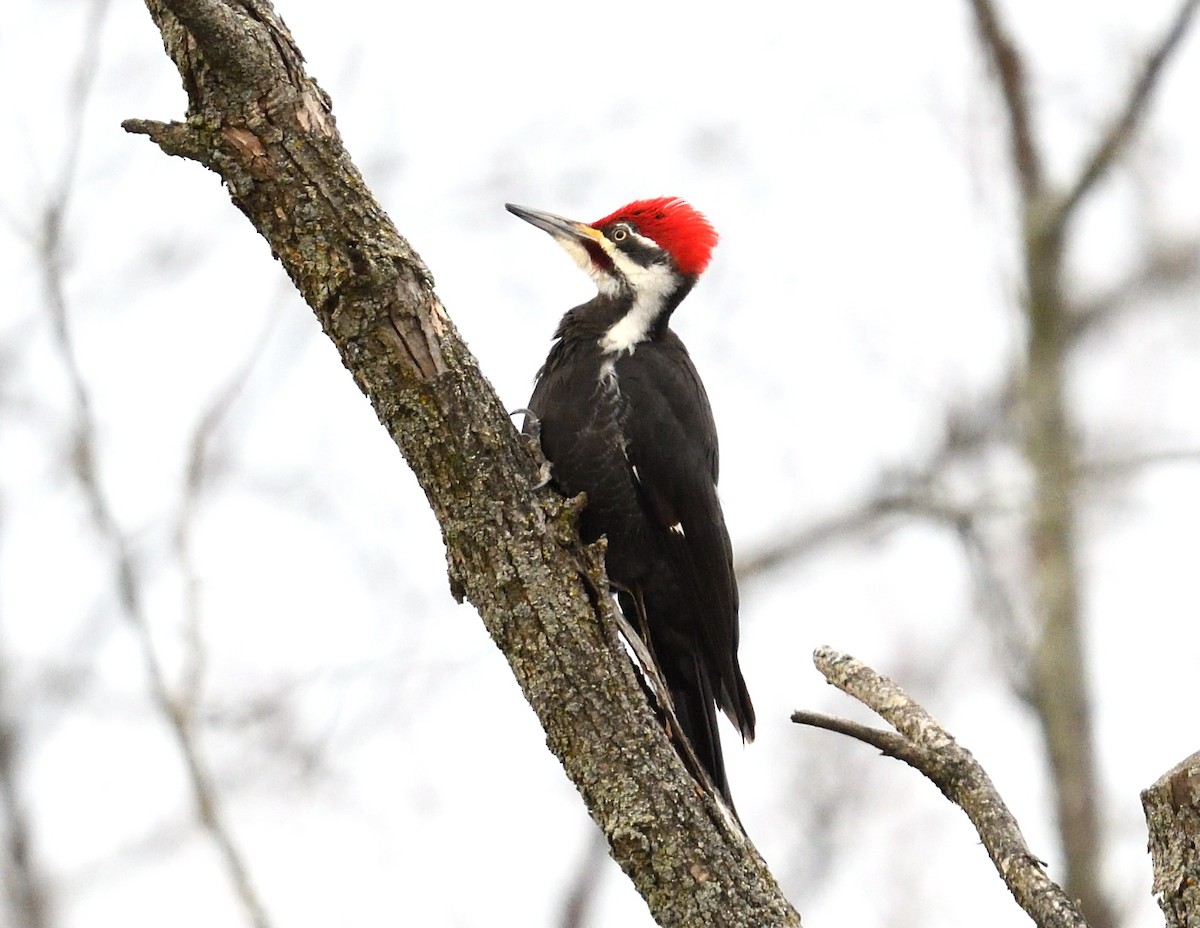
<point x="647" y="246"/>
<point x="647" y="255"/>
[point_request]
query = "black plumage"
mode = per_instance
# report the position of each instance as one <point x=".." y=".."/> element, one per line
<point x="623" y="416"/>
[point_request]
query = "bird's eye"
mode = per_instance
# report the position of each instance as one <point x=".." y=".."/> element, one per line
<point x="620" y="234"/>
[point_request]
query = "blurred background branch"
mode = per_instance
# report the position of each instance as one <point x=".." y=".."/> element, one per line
<point x="867" y="333"/>
<point x="1034" y="413"/>
<point x="177" y="711"/>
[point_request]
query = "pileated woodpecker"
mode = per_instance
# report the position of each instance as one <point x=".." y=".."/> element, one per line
<point x="623" y="417"/>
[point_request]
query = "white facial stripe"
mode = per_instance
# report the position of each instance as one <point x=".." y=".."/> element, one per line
<point x="606" y="283"/>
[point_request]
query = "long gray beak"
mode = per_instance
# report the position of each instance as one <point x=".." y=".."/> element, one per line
<point x="555" y="225"/>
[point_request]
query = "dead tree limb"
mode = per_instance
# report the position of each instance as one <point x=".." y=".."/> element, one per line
<point x="260" y="122"/>
<point x="925" y="745"/>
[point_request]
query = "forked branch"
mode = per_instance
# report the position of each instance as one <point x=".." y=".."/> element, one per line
<point x="922" y="743"/>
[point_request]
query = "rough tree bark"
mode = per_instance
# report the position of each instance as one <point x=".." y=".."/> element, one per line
<point x="1172" y="807"/>
<point x="257" y="120"/>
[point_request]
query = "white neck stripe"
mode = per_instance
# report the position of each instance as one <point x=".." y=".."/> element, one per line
<point x="651" y="286"/>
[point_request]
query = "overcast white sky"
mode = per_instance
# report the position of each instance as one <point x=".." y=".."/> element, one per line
<point x="377" y="763"/>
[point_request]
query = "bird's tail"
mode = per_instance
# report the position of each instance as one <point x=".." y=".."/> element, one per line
<point x="696" y="711"/>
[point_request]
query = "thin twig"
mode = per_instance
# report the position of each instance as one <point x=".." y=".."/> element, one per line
<point x="23" y="881"/>
<point x="1123" y="466"/>
<point x="873" y="512"/>
<point x="904" y="492"/>
<point x="887" y="742"/>
<point x="795" y="545"/>
<point x="1169" y="267"/>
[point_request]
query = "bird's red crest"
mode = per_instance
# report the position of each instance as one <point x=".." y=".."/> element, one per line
<point x="673" y="224"/>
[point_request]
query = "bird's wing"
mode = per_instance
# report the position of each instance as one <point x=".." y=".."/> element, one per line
<point x="673" y="446"/>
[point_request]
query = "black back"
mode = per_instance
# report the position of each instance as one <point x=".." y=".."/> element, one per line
<point x="635" y="432"/>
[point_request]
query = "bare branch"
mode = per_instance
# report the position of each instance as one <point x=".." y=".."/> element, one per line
<point x="888" y="742"/>
<point x="905" y="491"/>
<point x="1170" y="267"/>
<point x="129" y="596"/>
<point x="953" y="770"/>
<point x="1113" y="142"/>
<point x="1118" y="467"/>
<point x="85" y="450"/>
<point x="23" y="880"/>
<point x="1004" y="56"/>
<point x="809" y="539"/>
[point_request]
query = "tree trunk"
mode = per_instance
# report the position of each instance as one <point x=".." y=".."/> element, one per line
<point x="1172" y="807"/>
<point x="256" y="119"/>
